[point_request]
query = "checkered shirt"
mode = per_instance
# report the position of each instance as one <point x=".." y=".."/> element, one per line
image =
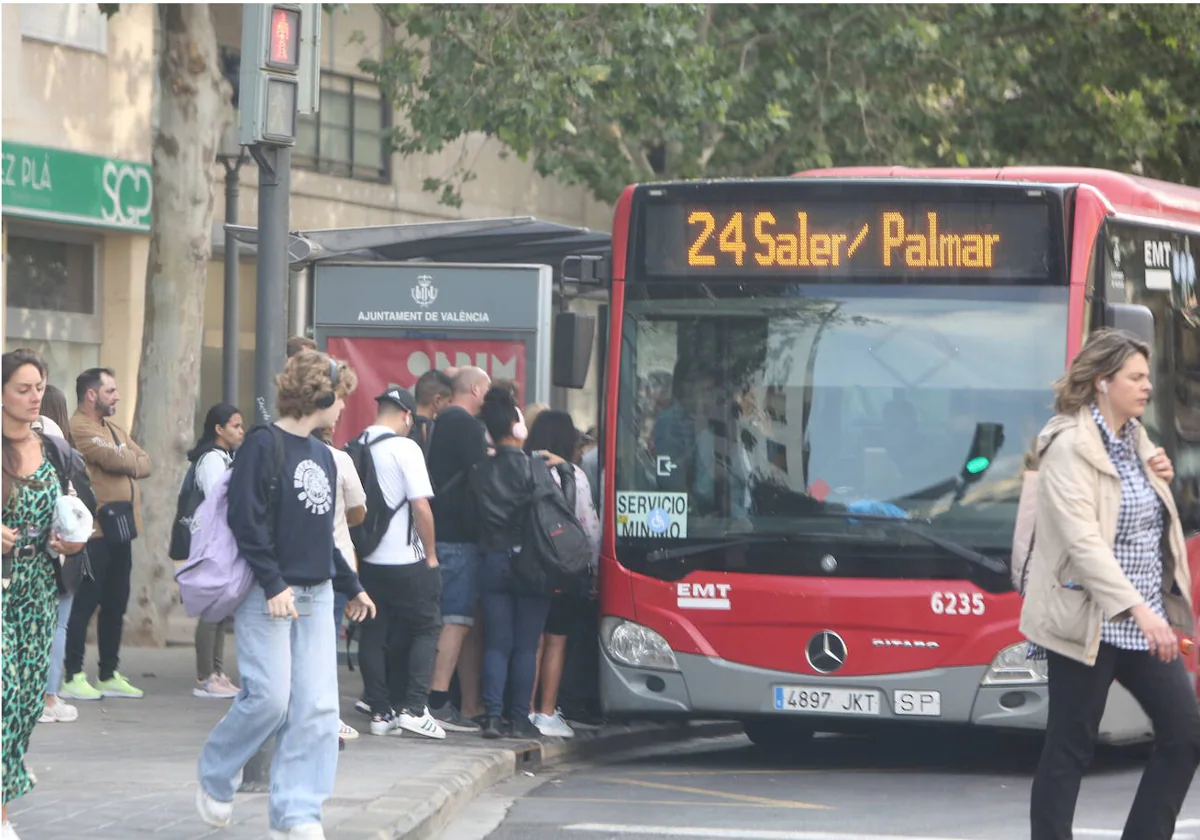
<point x="1138" y="543"/>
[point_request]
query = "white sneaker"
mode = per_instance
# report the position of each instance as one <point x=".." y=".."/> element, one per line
<point x="214" y="813"/>
<point x="422" y="725"/>
<point x="348" y="733"/>
<point x="7" y="832"/>
<point x="552" y="726"/>
<point x="59" y="712"/>
<point x="383" y="724"/>
<point x="308" y="831"/>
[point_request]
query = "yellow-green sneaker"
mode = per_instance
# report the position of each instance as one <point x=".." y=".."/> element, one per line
<point x="118" y="686"/>
<point x="78" y="688"/>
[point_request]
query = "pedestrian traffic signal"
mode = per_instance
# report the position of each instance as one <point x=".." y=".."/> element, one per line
<point x="283" y="52"/>
<point x="274" y="49"/>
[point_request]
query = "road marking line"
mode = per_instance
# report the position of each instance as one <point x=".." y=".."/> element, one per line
<point x="737" y="797"/>
<point x="1110" y="832"/>
<point x="780" y="772"/>
<point x="631" y="802"/>
<point x="737" y="833"/>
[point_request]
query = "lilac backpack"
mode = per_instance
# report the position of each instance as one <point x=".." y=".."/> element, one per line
<point x="216" y="579"/>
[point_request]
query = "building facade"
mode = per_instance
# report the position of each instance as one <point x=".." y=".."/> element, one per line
<point x="78" y="110"/>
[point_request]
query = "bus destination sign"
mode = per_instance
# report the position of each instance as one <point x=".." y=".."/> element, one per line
<point x="992" y="239"/>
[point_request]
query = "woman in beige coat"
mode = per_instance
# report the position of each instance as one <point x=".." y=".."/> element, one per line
<point x="1109" y="590"/>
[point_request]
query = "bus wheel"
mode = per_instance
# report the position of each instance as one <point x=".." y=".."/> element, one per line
<point x="777" y="735"/>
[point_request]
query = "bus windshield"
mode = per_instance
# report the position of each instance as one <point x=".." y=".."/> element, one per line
<point x="785" y="409"/>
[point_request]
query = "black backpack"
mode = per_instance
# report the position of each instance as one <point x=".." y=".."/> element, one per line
<point x="368" y="534"/>
<point x="186" y="505"/>
<point x="555" y="552"/>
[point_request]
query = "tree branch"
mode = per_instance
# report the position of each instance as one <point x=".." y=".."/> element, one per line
<point x="705" y="24"/>
<point x="760" y="38"/>
<point x="640" y="162"/>
<point x="707" y="152"/>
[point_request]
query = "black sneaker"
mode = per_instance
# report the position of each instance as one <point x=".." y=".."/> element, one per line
<point x="452" y="721"/>
<point x="524" y="729"/>
<point x="361" y="705"/>
<point x="493" y="727"/>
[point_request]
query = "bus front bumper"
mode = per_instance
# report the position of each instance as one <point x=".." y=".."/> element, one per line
<point x="713" y="687"/>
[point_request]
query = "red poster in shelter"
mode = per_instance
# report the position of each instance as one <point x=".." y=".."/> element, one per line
<point x="379" y="362"/>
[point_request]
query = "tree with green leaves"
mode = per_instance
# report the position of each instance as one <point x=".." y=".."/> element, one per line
<point x="605" y="95"/>
<point x="193" y="108"/>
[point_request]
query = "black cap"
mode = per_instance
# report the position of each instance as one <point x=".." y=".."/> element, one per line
<point x="402" y="398"/>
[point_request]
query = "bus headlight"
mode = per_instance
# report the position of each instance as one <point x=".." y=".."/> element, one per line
<point x="635" y="645"/>
<point x="1012" y="667"/>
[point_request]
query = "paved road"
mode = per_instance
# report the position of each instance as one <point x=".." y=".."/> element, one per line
<point x="951" y="788"/>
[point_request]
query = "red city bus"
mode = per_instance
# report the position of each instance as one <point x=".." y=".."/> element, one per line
<point x="819" y="391"/>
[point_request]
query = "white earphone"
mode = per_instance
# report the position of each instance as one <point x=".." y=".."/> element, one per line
<point x="1103" y="387"/>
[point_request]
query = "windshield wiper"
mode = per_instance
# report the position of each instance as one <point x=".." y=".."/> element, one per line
<point x="912" y="526"/>
<point x="664" y="554"/>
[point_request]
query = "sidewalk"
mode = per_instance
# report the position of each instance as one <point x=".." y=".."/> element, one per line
<point x="126" y="770"/>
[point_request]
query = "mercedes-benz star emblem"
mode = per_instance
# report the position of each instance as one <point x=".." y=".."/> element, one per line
<point x="826" y="652"/>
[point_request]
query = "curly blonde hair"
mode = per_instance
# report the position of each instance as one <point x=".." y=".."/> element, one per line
<point x="1105" y="353"/>
<point x="305" y="379"/>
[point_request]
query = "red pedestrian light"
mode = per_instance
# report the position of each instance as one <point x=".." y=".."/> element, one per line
<point x="283" y="44"/>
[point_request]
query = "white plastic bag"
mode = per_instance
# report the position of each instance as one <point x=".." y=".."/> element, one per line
<point x="72" y="520"/>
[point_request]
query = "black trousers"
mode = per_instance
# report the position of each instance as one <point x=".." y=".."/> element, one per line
<point x="579" y="693"/>
<point x="1077" y="697"/>
<point x="401" y="641"/>
<point x="108" y="589"/>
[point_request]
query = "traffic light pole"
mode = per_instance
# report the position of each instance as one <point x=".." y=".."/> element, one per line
<point x="270" y="337"/>
<point x="270" y="317"/>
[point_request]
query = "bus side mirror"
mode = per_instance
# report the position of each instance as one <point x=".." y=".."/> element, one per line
<point x="1129" y="316"/>
<point x="574" y="335"/>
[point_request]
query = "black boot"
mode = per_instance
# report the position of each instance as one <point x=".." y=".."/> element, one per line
<point x="493" y="727"/>
<point x="523" y="728"/>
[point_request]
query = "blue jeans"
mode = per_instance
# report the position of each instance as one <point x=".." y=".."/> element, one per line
<point x="290" y="690"/>
<point x="512" y="628"/>
<point x="339" y="611"/>
<point x="458" y="564"/>
<point x="59" y="649"/>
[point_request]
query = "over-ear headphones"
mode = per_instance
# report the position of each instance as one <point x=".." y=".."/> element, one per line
<point x="327" y="400"/>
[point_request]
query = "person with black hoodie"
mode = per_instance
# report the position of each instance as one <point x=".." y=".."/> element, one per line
<point x="512" y="620"/>
<point x="282" y="521"/>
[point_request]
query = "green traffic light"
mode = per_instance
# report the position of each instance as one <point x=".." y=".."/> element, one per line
<point x="977" y="465"/>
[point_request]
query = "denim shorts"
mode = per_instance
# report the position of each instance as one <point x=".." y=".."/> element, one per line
<point x="459" y="565"/>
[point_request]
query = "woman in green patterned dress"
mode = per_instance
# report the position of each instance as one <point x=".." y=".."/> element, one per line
<point x="31" y="487"/>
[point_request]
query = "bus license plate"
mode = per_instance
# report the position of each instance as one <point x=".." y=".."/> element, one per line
<point x="826" y="701"/>
<point x="917" y="703"/>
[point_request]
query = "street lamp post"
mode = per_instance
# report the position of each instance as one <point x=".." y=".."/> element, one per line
<point x="232" y="156"/>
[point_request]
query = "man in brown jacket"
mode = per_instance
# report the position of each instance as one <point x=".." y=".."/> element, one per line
<point x="114" y="463"/>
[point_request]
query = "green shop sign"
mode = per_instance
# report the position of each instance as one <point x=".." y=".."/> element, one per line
<point x="58" y="186"/>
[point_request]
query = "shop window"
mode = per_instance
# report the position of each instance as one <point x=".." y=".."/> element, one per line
<point x="80" y="25"/>
<point x="51" y="276"/>
<point x="346" y="137"/>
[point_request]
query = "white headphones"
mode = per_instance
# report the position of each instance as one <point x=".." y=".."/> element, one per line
<point x="1103" y="387"/>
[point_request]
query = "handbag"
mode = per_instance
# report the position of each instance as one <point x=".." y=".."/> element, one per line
<point x="117" y="523"/>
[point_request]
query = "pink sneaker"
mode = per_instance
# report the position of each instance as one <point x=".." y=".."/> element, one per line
<point x="228" y="683"/>
<point x="213" y="688"/>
